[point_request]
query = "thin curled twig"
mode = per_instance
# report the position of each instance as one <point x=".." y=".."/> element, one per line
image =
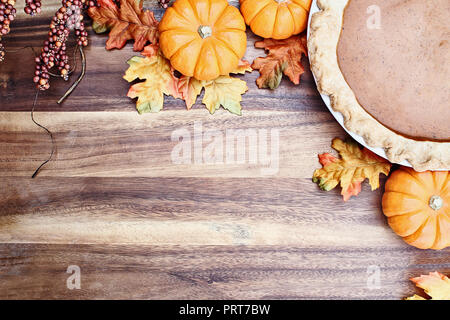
<point x="68" y="92"/>
<point x="36" y="172"/>
<point x="19" y="49"/>
<point x="74" y="64"/>
<point x="49" y="133"/>
<point x="75" y="84"/>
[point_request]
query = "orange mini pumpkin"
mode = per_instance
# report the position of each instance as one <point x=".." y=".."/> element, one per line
<point x="203" y="38"/>
<point x="417" y="205"/>
<point x="277" y="19"/>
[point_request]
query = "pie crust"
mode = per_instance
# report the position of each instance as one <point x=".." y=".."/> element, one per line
<point x="325" y="31"/>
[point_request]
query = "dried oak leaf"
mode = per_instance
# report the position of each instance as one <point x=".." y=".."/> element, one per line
<point x="129" y="22"/>
<point x="284" y="57"/>
<point x="354" y="166"/>
<point x="435" y="284"/>
<point x="159" y="80"/>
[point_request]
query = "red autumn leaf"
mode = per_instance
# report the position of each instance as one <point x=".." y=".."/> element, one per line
<point x="284" y="57"/>
<point x="129" y="22"/>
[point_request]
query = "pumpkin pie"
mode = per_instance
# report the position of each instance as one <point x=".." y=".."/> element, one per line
<point x="386" y="66"/>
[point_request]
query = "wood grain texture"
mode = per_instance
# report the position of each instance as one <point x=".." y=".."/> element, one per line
<point x="208" y="272"/>
<point x="140" y="225"/>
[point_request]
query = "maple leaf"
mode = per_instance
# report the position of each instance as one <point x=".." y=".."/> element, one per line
<point x="284" y="57"/>
<point x="189" y="89"/>
<point x="224" y="91"/>
<point x="150" y="50"/>
<point x="129" y="22"/>
<point x="243" y="67"/>
<point x="354" y="166"/>
<point x="159" y="80"/>
<point x="435" y="284"/>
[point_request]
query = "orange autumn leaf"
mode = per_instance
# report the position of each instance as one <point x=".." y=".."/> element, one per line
<point x="150" y="50"/>
<point x="189" y="89"/>
<point x="243" y="67"/>
<point x="350" y="170"/>
<point x="435" y="284"/>
<point x="129" y="22"/>
<point x="284" y="56"/>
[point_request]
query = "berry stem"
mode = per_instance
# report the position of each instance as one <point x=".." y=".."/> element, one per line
<point x="75" y="84"/>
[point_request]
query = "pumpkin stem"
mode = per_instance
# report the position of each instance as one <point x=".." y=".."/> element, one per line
<point x="436" y="203"/>
<point x="204" y="31"/>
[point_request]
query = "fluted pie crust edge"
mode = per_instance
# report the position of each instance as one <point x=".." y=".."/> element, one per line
<point x="325" y="30"/>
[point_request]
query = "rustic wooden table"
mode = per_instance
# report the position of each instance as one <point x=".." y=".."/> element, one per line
<point x="115" y="203"/>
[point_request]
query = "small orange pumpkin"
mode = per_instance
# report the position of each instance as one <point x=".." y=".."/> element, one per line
<point x="203" y="38"/>
<point x="417" y="205"/>
<point x="277" y="19"/>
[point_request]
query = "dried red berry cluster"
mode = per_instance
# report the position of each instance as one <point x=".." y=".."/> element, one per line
<point x="32" y="7"/>
<point x="7" y="15"/>
<point x="2" y="52"/>
<point x="53" y="54"/>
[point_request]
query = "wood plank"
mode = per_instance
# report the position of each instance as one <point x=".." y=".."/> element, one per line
<point x="210" y="272"/>
<point x="127" y="144"/>
<point x="188" y="211"/>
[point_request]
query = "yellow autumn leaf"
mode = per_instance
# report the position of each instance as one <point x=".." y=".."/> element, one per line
<point x="159" y="80"/>
<point x="354" y="166"/>
<point x="220" y="91"/>
<point x="435" y="284"/>
<point x="415" y="297"/>
<point x="224" y="91"/>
